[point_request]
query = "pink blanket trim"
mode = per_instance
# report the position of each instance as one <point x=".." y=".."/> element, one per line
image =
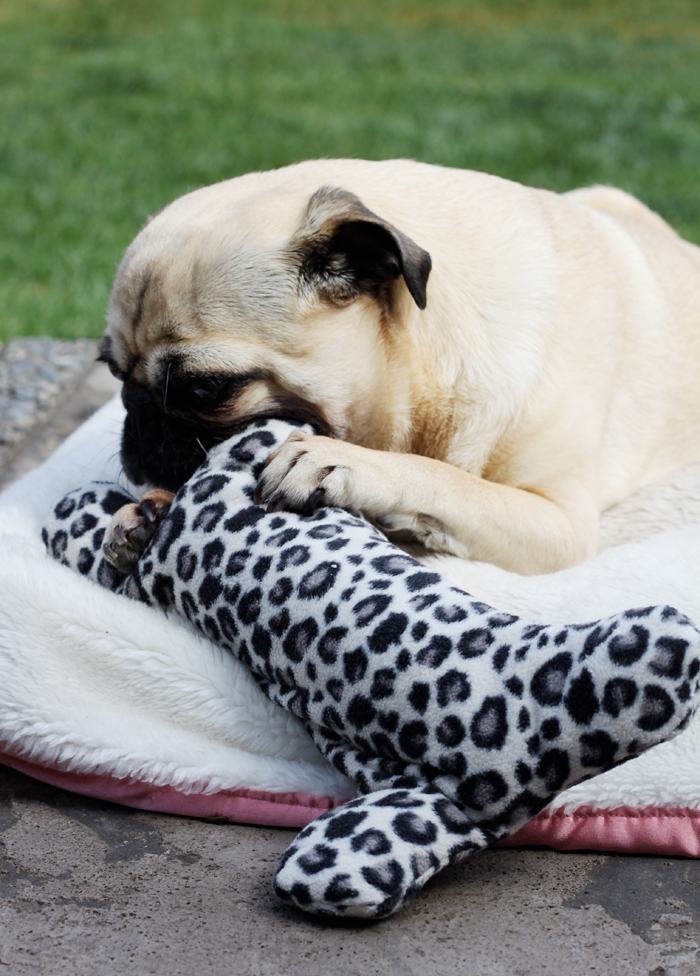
<point x="670" y="831"/>
<point x="238" y="806"/>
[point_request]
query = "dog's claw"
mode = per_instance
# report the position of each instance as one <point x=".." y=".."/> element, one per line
<point x="133" y="527"/>
<point x="314" y="501"/>
<point x="149" y="510"/>
<point x="275" y="503"/>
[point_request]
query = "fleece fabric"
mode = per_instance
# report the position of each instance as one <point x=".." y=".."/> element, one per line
<point x="143" y="709"/>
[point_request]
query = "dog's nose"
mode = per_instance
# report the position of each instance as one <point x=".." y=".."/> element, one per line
<point x="136" y="397"/>
<point x="157" y="449"/>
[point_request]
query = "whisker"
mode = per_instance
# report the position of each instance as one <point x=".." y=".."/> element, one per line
<point x="167" y="380"/>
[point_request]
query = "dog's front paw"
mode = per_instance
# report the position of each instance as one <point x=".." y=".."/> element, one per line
<point x="133" y="527"/>
<point x="309" y="471"/>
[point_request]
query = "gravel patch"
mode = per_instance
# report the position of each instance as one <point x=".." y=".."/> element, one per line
<point x="36" y="376"/>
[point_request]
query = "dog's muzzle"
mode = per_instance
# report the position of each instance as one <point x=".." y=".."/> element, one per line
<point x="157" y="448"/>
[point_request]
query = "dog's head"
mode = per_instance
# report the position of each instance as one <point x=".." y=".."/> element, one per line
<point x="229" y="306"/>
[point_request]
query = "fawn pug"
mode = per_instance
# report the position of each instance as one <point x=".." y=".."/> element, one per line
<point x="487" y="366"/>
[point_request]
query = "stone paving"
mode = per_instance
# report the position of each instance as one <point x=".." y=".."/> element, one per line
<point x="36" y="376"/>
<point x="92" y="888"/>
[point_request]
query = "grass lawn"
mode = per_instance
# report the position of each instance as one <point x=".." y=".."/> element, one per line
<point x="111" y="108"/>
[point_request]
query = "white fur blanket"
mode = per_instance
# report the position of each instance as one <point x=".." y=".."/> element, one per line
<point x="93" y="685"/>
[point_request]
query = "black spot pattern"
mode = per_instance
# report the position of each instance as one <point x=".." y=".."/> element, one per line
<point x="458" y="723"/>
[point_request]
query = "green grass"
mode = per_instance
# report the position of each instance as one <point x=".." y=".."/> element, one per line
<point x="111" y="108"/>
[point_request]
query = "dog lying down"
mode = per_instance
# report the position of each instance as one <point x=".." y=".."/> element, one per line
<point x="457" y="722"/>
<point x="487" y="366"/>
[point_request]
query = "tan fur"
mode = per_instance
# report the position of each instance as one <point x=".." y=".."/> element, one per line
<point x="553" y="371"/>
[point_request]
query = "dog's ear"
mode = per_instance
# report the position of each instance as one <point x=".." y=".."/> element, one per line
<point x="345" y="250"/>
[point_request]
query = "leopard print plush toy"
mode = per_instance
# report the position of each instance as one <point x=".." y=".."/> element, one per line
<point x="457" y="722"/>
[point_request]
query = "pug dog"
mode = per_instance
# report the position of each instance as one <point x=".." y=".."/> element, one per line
<point x="486" y="366"/>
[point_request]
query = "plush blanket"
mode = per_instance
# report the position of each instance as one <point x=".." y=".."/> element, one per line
<point x="125" y="704"/>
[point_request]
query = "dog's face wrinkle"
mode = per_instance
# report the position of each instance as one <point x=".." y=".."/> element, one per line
<point x="140" y="300"/>
<point x="202" y="397"/>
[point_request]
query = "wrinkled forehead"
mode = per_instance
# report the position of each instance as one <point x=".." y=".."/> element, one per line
<point x="204" y="270"/>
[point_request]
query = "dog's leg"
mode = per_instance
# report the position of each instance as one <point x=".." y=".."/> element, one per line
<point x="442" y="507"/>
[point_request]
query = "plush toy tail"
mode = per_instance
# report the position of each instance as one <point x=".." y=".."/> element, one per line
<point x="370" y="857"/>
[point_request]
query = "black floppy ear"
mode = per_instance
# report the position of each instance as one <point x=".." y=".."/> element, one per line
<point x="346" y="250"/>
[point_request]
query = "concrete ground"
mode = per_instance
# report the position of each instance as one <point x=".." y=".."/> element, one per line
<point x="92" y="888"/>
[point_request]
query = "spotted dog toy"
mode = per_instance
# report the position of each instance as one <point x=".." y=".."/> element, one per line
<point x="457" y="722"/>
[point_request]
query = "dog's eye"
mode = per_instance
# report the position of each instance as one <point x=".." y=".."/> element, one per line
<point x="207" y="389"/>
